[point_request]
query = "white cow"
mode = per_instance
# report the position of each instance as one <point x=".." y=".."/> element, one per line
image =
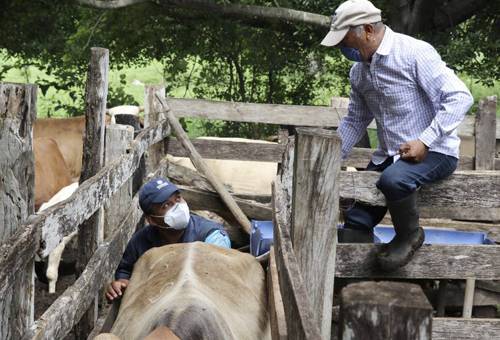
<point x="56" y="254"/>
<point x="243" y="177"/>
<point x="197" y="290"/>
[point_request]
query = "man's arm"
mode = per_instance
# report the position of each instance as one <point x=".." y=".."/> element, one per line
<point x="442" y="86"/>
<point x="123" y="272"/>
<point x="353" y="126"/>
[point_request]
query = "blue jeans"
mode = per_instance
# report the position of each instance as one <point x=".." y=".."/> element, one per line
<point x="399" y="180"/>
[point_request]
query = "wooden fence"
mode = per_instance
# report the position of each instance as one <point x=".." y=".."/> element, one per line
<point x="25" y="234"/>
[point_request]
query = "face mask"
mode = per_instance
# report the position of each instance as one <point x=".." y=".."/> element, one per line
<point x="177" y="217"/>
<point x="351" y="53"/>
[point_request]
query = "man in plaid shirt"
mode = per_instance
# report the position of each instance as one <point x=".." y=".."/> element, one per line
<point x="417" y="103"/>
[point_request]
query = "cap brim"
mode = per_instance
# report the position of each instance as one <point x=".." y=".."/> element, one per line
<point x="165" y="194"/>
<point x="334" y="37"/>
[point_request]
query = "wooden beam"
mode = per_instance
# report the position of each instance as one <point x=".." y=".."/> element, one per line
<point x="300" y="318"/>
<point x="17" y="197"/>
<point x="202" y="167"/>
<point x="384" y="311"/>
<point x="275" y="303"/>
<point x="315" y="204"/>
<point x="235" y="150"/>
<point x="485" y="146"/>
<point x="198" y="199"/>
<point x="300" y="115"/>
<point x="264" y="152"/>
<point x="91" y="231"/>
<point x="465" y="329"/>
<point x="430" y="262"/>
<point x="465" y="195"/>
<point x="60" y="317"/>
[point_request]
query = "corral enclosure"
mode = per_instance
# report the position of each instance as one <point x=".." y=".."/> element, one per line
<point x="471" y="194"/>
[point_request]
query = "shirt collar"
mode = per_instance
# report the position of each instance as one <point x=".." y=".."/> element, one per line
<point x="387" y="42"/>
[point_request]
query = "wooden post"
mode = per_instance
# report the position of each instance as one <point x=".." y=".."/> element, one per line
<point x="384" y="311"/>
<point x="470" y="284"/>
<point x="300" y="316"/>
<point x="17" y="114"/>
<point x="91" y="232"/>
<point x="153" y="113"/>
<point x="315" y="205"/>
<point x="118" y="139"/>
<point x="485" y="134"/>
<point x="201" y="166"/>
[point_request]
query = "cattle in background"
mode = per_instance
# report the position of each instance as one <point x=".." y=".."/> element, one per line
<point x="68" y="134"/>
<point x="243" y="177"/>
<point x="197" y="290"/>
<point x="51" y="171"/>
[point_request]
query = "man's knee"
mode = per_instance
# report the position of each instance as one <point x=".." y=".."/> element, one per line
<point x="393" y="185"/>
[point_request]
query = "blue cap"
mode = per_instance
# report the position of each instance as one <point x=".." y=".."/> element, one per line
<point x="157" y="190"/>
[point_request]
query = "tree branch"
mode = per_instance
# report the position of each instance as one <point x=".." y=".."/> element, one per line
<point x="236" y="11"/>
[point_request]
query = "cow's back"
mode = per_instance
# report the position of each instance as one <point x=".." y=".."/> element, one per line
<point x="51" y="172"/>
<point x="199" y="291"/>
<point x="68" y="134"/>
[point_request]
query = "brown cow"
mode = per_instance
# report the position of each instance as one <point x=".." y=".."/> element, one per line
<point x="51" y="171"/>
<point x="198" y="291"/>
<point x="68" y="134"/>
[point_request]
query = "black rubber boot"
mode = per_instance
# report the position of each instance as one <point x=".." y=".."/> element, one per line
<point x="409" y="235"/>
<point x="348" y="235"/>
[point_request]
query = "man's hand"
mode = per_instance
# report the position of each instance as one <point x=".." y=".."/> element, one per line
<point x="413" y="151"/>
<point x="116" y="289"/>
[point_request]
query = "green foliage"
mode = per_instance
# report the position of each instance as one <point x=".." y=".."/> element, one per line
<point x="206" y="57"/>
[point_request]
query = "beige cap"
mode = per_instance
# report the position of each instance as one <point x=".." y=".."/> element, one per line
<point x="348" y="14"/>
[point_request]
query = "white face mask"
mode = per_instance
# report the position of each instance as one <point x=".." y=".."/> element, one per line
<point x="177" y="217"/>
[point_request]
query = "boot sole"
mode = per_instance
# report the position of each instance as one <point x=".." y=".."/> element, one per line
<point x="389" y="266"/>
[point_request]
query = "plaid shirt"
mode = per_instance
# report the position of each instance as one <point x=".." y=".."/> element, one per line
<point x="411" y="94"/>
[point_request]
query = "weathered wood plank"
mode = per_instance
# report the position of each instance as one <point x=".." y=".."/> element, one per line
<point x="263" y="152"/>
<point x="465" y="329"/>
<point x="276" y="310"/>
<point x="118" y="139"/>
<point x="236" y="150"/>
<point x="300" y="318"/>
<point x="315" y="204"/>
<point x="430" y="262"/>
<point x="384" y="311"/>
<point x="91" y="231"/>
<point x="485" y="147"/>
<point x="466" y="195"/>
<point x="208" y="200"/>
<point x="60" y="317"/>
<point x="17" y="197"/>
<point x="63" y="218"/>
<point x="319" y="116"/>
<point x="153" y="113"/>
<point x="257" y="113"/>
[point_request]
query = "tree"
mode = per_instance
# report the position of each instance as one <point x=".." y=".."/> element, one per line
<point x="259" y="51"/>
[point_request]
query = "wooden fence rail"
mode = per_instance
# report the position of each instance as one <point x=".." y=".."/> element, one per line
<point x="53" y="224"/>
<point x="60" y="317"/>
<point x="298" y="115"/>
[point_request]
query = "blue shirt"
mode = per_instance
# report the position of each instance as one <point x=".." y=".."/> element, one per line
<point x="410" y="93"/>
<point x="198" y="229"/>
